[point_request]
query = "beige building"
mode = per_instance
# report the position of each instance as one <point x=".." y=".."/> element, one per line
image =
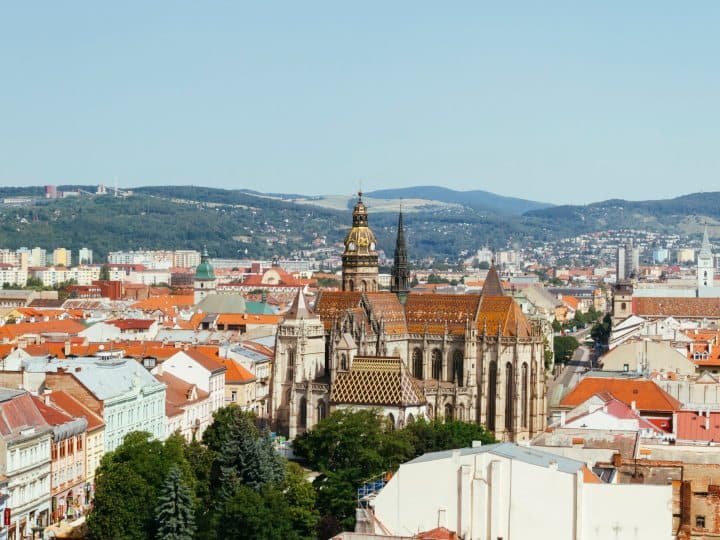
<point x="62" y="256"/>
<point x="647" y="356"/>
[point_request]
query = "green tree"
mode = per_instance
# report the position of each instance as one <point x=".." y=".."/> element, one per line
<point x="301" y="500"/>
<point x="245" y="454"/>
<point x="254" y="514"/>
<point x="174" y="513"/>
<point x="565" y="347"/>
<point x="104" y="273"/>
<point x="601" y="330"/>
<point x="437" y="435"/>
<point x="127" y="485"/>
<point x="556" y="325"/>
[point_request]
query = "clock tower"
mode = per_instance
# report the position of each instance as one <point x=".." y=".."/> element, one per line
<point x="360" y="259"/>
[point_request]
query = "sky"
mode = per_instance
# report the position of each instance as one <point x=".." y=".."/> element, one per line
<point x="562" y="102"/>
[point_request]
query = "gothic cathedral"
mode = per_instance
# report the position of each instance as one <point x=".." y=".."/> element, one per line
<point x="471" y="357"/>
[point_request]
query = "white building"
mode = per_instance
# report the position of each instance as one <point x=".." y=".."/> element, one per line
<point x="196" y="368"/>
<point x="25" y="439"/>
<point x="504" y="491"/>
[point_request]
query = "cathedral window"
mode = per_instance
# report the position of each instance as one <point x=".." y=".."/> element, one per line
<point x="302" y="413"/>
<point x="458" y="368"/>
<point x="436" y="364"/>
<point x="524" y="395"/>
<point x="290" y="364"/>
<point x="448" y="412"/>
<point x="321" y="410"/>
<point x="417" y="363"/>
<point x="343" y="362"/>
<point x="492" y="395"/>
<point x="509" y="397"/>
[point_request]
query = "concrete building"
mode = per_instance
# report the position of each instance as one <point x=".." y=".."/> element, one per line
<point x="62" y="257"/>
<point x="504" y="491"/>
<point x="85" y="256"/>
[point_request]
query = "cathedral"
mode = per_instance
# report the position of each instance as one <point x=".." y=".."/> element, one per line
<point x="472" y="357"/>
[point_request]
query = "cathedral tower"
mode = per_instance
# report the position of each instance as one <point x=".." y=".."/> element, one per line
<point x="400" y="280"/>
<point x="705" y="271"/>
<point x="360" y="259"/>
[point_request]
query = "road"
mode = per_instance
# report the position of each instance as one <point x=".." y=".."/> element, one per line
<point x="569" y="376"/>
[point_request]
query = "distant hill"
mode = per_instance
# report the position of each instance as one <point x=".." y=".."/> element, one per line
<point x="685" y="214"/>
<point x="239" y="223"/>
<point x="476" y="199"/>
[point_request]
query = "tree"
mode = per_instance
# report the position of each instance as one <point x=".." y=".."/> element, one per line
<point x="301" y="500"/>
<point x="127" y="485"/>
<point x="565" y="347"/>
<point x="252" y="514"/>
<point x="174" y="512"/>
<point x="556" y="325"/>
<point x="104" y="273"/>
<point x="437" y="435"/>
<point x="245" y="454"/>
<point x="601" y="331"/>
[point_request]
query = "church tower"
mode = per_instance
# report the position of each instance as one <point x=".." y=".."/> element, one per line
<point x="360" y="259"/>
<point x="298" y="383"/>
<point x="400" y="279"/>
<point x="705" y="271"/>
<point x="205" y="280"/>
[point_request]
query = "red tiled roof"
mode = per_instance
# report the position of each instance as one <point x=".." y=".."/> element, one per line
<point x="647" y="395"/>
<point x="53" y="416"/>
<point x="179" y="392"/>
<point x="18" y="413"/>
<point x="74" y="408"/>
<point x="435" y="313"/>
<point x="132" y="324"/>
<point x="331" y="305"/>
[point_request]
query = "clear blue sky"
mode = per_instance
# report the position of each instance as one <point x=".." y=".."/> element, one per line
<point x="570" y="103"/>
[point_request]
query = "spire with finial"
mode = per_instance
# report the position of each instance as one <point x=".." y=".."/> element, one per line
<point x="400" y="277"/>
<point x="299" y="308"/>
<point x="492" y="285"/>
<point x="706" y="248"/>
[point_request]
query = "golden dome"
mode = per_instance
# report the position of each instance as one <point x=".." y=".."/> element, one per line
<point x="360" y="240"/>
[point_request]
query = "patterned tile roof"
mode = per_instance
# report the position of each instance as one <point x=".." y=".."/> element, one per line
<point x="676" y="307"/>
<point x="502" y="315"/>
<point x="376" y="380"/>
<point x="331" y="305"/>
<point x="432" y="313"/>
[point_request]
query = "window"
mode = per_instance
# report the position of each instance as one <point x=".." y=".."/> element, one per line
<point x="417" y="363"/>
<point x="436" y="364"/>
<point x="233" y="396"/>
<point x="700" y="522"/>
<point x="458" y="368"/>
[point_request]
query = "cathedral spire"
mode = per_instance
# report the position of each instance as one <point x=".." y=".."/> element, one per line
<point x="492" y="285"/>
<point x="399" y="282"/>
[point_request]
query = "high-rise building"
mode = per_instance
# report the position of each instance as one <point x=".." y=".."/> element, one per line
<point x="62" y="256"/>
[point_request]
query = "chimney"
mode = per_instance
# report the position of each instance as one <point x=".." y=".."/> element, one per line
<point x="442" y="517"/>
<point x="68" y="348"/>
<point x="633" y="405"/>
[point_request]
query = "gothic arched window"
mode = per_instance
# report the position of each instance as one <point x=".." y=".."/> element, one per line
<point x="321" y="410"/>
<point x="458" y="368"/>
<point x="492" y="395"/>
<point x="302" y="413"/>
<point x="448" y="412"/>
<point x="343" y="362"/>
<point x="290" y="364"/>
<point x="417" y="363"/>
<point x="436" y="364"/>
<point x="509" y="397"/>
<point x="524" y="396"/>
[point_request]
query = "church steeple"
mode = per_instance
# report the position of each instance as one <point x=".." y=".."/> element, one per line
<point x="399" y="282"/>
<point x="705" y="267"/>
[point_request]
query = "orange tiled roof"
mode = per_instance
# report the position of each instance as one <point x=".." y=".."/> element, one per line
<point x="331" y="305"/>
<point x="236" y="319"/>
<point x="647" y="395"/>
<point x="571" y="301"/>
<point x="76" y="409"/>
<point x="502" y="315"/>
<point x="386" y="306"/>
<point x="65" y="326"/>
<point x="212" y="364"/>
<point x="235" y="372"/>
<point x="165" y="302"/>
<point x="676" y="307"/>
